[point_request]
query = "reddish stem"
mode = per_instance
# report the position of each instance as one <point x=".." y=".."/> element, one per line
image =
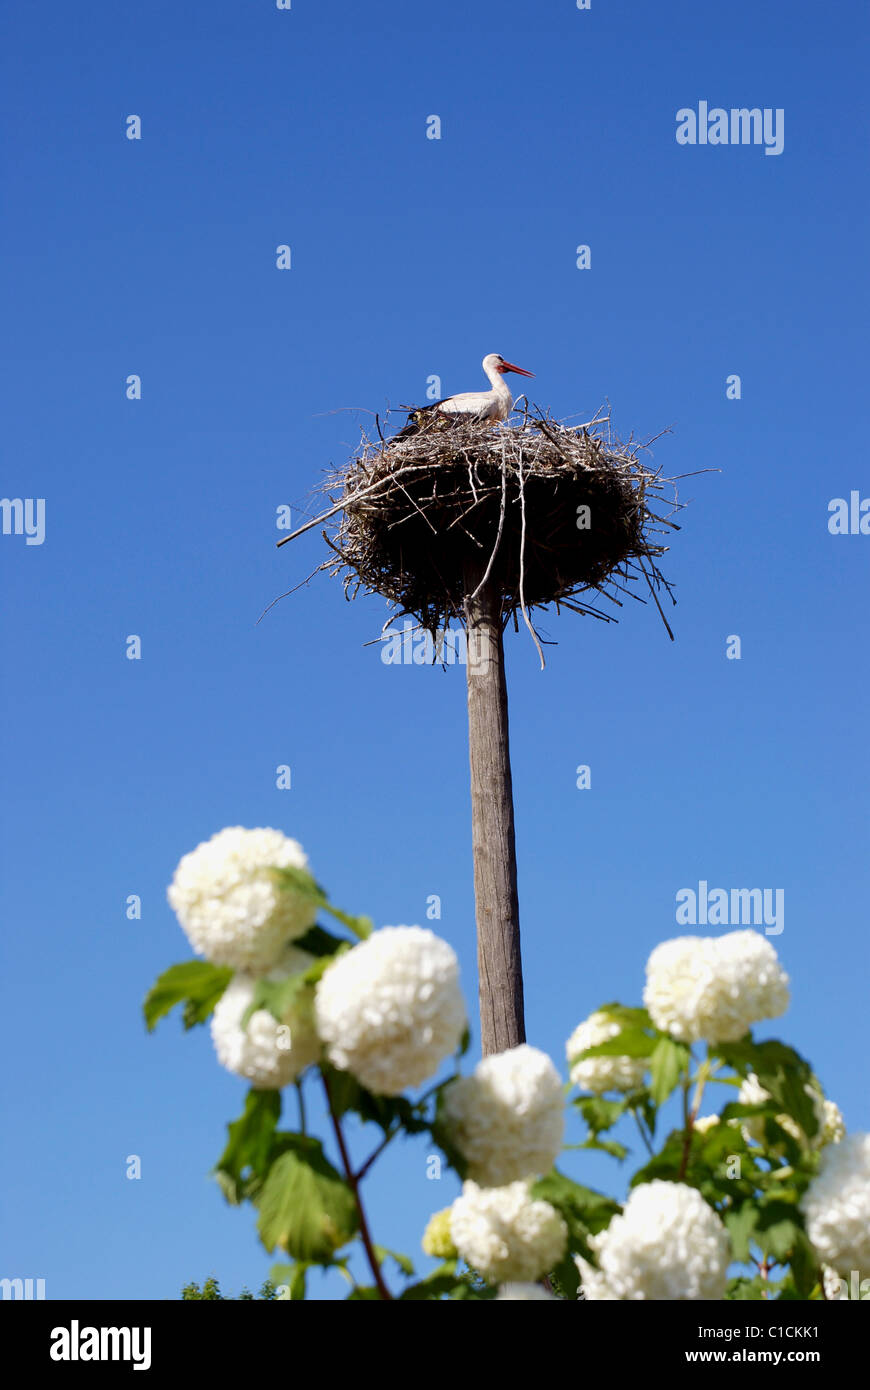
<point x="353" y="1181"/>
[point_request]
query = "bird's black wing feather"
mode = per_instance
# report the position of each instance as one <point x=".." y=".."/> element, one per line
<point x="413" y="425"/>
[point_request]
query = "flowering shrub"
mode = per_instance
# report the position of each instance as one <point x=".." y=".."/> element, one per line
<point x="766" y="1198"/>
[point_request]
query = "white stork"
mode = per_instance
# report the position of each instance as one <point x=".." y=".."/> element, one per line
<point x="473" y="405"/>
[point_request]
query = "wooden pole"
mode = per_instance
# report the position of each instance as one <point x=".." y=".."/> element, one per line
<point x="499" y="964"/>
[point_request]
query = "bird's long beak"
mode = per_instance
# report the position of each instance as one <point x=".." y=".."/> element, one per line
<point x="520" y="371"/>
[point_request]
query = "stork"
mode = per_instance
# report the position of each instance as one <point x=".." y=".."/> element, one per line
<point x="472" y="405"/>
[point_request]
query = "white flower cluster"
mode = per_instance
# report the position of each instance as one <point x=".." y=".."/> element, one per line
<point x="526" y="1293"/>
<point x="508" y="1117"/>
<point x="600" y="1074"/>
<point x="391" y="1010"/>
<point x="714" y="988"/>
<point x="837" y="1206"/>
<point x="226" y="901"/>
<point x="830" y="1120"/>
<point x="668" y="1245"/>
<point x="832" y="1126"/>
<point x="593" y="1285"/>
<point x="506" y="1234"/>
<point x="267" y="1053"/>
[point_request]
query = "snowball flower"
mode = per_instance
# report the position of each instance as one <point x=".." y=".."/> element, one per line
<point x="437" y="1239"/>
<point x="228" y="903"/>
<point x="668" y="1245"/>
<point x="267" y="1053"/>
<point x="714" y="988"/>
<point x="506" y="1234"/>
<point x="600" y="1074"/>
<point x="529" y="1293"/>
<point x="837" y="1206"/>
<point x="830" y="1120"/>
<point x="705" y="1123"/>
<point x="508" y="1118"/>
<point x="832" y="1126"/>
<point x="593" y="1285"/>
<point x="391" y="1009"/>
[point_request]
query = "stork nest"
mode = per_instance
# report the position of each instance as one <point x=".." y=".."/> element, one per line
<point x="545" y="513"/>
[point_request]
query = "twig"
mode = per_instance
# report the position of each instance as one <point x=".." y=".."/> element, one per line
<point x="522" y="566"/>
<point x="300" y="585"/>
<point x="656" y="601"/>
<point x="387" y="1139"/>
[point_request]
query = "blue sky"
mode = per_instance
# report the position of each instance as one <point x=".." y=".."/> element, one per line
<point x="410" y="257"/>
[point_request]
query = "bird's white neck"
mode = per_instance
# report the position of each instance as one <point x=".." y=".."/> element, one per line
<point x="497" y="381"/>
<point x="499" y="385"/>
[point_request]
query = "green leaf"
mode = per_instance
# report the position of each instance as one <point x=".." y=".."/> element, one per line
<point x="472" y="1293"/>
<point x="196" y="983"/>
<point x="608" y="1146"/>
<point x="442" y="1280"/>
<point x="276" y="997"/>
<point x="301" y="881"/>
<point x="716" y="1145"/>
<point x="804" y="1264"/>
<point x="382" y="1254"/>
<point x="567" y="1276"/>
<point x="740" y="1223"/>
<point x="305" y="1206"/>
<point x="389" y="1112"/>
<point x="319" y="942"/>
<point x="291" y="1277"/>
<point x="600" y="1115"/>
<point x="783" y="1073"/>
<point x="584" y="1211"/>
<point x="666" y="1164"/>
<point x="344" y="1089"/>
<point x="777" y="1230"/>
<point x="744" y="1289"/>
<point x="442" y="1134"/>
<point x="669" y="1061"/>
<point x="360" y="926"/>
<point x="631" y="1042"/>
<point x="637" y="1018"/>
<point x="249" y="1147"/>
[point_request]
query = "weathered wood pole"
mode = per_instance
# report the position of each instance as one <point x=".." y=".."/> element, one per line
<point x="499" y="964"/>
